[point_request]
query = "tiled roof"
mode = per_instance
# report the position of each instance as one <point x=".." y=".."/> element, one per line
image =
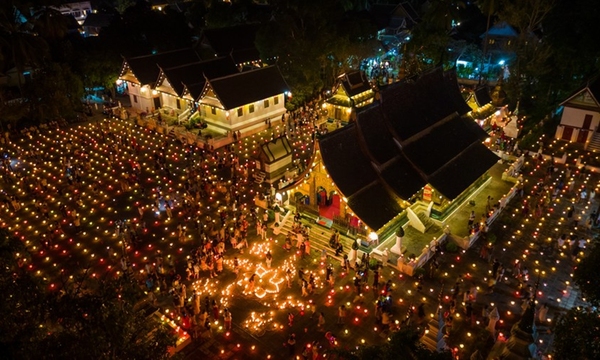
<point x="399" y="103"/>
<point x="241" y="56"/>
<point x="453" y="91"/>
<point x="402" y="177"/>
<point x="146" y="68"/>
<point x="398" y="146"/>
<point x="374" y="206"/>
<point x="482" y="96"/>
<point x="378" y="139"/>
<point x="354" y="82"/>
<point x="276" y="149"/>
<point x="441" y="144"/>
<point x="249" y="86"/>
<point x="98" y="20"/>
<point x="457" y="175"/>
<point x="198" y="72"/>
<point x="345" y="160"/>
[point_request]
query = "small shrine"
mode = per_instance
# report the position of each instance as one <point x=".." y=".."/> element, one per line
<point x="274" y="159"/>
<point x="352" y="90"/>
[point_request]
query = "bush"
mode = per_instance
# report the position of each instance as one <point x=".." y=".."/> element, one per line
<point x="400" y="232"/>
<point x="373" y="264"/>
<point x="451" y="247"/>
<point x="419" y="272"/>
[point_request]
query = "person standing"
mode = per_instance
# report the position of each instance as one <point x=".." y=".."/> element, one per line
<point x="268" y="259"/>
<point x="227" y="319"/>
<point x="494" y="317"/>
<point x="321" y="321"/>
<point x="471" y="220"/>
<point x="341" y="314"/>
<point x="264" y="230"/>
<point x="291" y="343"/>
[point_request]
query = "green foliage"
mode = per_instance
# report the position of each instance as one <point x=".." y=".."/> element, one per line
<point x="400" y="232"/>
<point x="586" y="276"/>
<point x="54" y="92"/>
<point x="313" y="42"/>
<point x="373" y="264"/>
<point x="122" y="5"/>
<point x="451" y="247"/>
<point x="576" y="335"/>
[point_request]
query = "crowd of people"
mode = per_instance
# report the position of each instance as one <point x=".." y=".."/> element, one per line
<point x="168" y="215"/>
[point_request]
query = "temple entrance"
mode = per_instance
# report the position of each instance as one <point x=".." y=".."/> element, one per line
<point x="329" y="204"/>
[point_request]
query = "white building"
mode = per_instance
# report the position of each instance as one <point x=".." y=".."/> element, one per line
<point x="581" y="116"/>
<point x="245" y="101"/>
<point x="78" y="9"/>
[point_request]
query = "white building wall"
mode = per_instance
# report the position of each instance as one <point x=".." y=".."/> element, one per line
<point x="141" y="99"/>
<point x="168" y="100"/>
<point x="230" y="121"/>
<point x="574" y="117"/>
<point x="260" y="114"/>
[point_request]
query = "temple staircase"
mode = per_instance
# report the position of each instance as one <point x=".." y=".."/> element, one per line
<point x="319" y="238"/>
<point x="430" y="339"/>
<point x="259" y="176"/>
<point x="594" y="144"/>
<point x="418" y="216"/>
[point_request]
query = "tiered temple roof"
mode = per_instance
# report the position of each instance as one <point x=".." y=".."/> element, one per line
<point x="415" y="135"/>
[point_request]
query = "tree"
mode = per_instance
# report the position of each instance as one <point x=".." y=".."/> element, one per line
<point x="577" y="335"/>
<point x="443" y="14"/>
<point x="19" y="41"/>
<point x="54" y="92"/>
<point x="571" y="30"/>
<point x="122" y="5"/>
<point x="488" y="8"/>
<point x="586" y="276"/>
<point x="301" y="39"/>
<point x="531" y="52"/>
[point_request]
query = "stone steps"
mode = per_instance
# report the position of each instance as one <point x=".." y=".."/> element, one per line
<point x="319" y="239"/>
<point x="430" y="338"/>
<point x="594" y="144"/>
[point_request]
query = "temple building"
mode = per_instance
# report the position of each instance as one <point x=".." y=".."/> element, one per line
<point x="274" y="160"/>
<point x="141" y="73"/>
<point x="581" y="116"/>
<point x="245" y="102"/>
<point x="482" y="109"/>
<point x="180" y="86"/>
<point x="415" y="146"/>
<point x="352" y="91"/>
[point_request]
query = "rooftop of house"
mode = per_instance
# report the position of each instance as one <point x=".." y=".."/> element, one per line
<point x="146" y="68"/>
<point x="98" y="20"/>
<point x="197" y="73"/>
<point x="249" y="86"/>
<point x="276" y="149"/>
<point x="415" y="135"/>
